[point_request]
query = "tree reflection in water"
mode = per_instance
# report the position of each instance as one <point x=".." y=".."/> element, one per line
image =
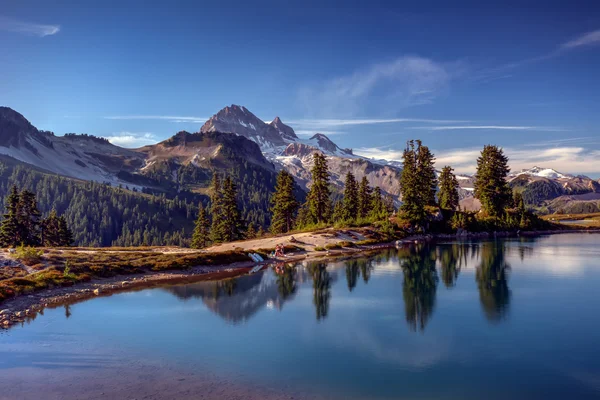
<point x="352" y="272"/>
<point x="286" y="280"/>
<point x="321" y="288"/>
<point x="420" y="285"/>
<point x="452" y="258"/>
<point x="491" y="277"/>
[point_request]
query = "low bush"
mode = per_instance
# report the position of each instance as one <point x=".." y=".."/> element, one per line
<point x="28" y="255"/>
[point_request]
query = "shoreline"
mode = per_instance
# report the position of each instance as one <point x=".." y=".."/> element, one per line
<point x="25" y="307"/>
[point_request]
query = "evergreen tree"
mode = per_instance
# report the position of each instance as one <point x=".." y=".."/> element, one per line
<point x="201" y="230"/>
<point x="65" y="236"/>
<point x="448" y="194"/>
<point x="50" y="230"/>
<point x="230" y="224"/>
<point x="412" y="205"/>
<point x="364" y="198"/>
<point x="10" y="233"/>
<point x="216" y="210"/>
<point x="250" y="232"/>
<point x="260" y="232"/>
<point x="350" y="202"/>
<point x="338" y="211"/>
<point x="417" y="182"/>
<point x="284" y="204"/>
<point x="28" y="217"/>
<point x="377" y="209"/>
<point x="318" y="199"/>
<point x="491" y="187"/>
<point x="426" y="180"/>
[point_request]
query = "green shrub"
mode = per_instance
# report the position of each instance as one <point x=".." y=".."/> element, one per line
<point x="28" y="255"/>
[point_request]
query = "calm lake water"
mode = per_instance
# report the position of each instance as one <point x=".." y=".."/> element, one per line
<point x="506" y="319"/>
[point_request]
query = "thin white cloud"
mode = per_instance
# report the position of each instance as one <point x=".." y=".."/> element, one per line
<point x="27" y="28"/>
<point x="171" y="118"/>
<point x="588" y="39"/>
<point x="405" y="81"/>
<point x="488" y="127"/>
<point x="324" y="123"/>
<point x="313" y="132"/>
<point x="566" y="159"/>
<point x="132" y="139"/>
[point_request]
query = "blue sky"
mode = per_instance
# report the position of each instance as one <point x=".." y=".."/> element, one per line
<point x="370" y="74"/>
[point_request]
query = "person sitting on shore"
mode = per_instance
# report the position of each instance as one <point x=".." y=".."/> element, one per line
<point x="279" y="251"/>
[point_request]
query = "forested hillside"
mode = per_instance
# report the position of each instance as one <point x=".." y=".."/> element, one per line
<point x="101" y="215"/>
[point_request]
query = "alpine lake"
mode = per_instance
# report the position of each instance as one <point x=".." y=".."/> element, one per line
<point x="502" y="319"/>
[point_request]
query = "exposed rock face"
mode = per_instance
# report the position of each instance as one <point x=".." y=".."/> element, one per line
<point x="284" y="130"/>
<point x="237" y="119"/>
<point x="280" y="144"/>
<point x="78" y="156"/>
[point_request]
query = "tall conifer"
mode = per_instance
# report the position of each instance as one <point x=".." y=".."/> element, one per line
<point x="491" y="186"/>
<point x="283" y="204"/>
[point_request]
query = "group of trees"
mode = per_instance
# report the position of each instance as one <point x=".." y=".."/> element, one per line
<point x="225" y="223"/>
<point x="22" y="223"/>
<point x="419" y="183"/>
<point x="501" y="207"/>
<point x="359" y="202"/>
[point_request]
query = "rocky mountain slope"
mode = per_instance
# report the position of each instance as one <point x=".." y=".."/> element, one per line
<point x="78" y="156"/>
<point x="280" y="144"/>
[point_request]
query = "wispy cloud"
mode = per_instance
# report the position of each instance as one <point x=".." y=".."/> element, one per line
<point x="27" y="28"/>
<point x="171" y="118"/>
<point x="312" y="132"/>
<point x="500" y="72"/>
<point x="566" y="159"/>
<point x="489" y="127"/>
<point x="405" y="81"/>
<point x="590" y="38"/>
<point x="132" y="139"/>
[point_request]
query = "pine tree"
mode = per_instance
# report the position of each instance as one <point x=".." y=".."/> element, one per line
<point x="491" y="187"/>
<point x="284" y="204"/>
<point x="350" y="202"/>
<point x="251" y="232"/>
<point x="230" y="225"/>
<point x="65" y="235"/>
<point x="427" y="182"/>
<point x="29" y="219"/>
<point x="10" y="233"/>
<point x="260" y="232"/>
<point x="318" y="199"/>
<point x="412" y="205"/>
<point x="50" y="236"/>
<point x="448" y="194"/>
<point x="417" y="182"/>
<point x="216" y="210"/>
<point x="364" y="198"/>
<point x="338" y="211"/>
<point x="377" y="208"/>
<point x="201" y="230"/>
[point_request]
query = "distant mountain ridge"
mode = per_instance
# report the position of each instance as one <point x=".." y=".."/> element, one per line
<point x="234" y="140"/>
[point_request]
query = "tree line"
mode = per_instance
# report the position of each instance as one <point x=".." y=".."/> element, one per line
<point x="222" y="221"/>
<point x="22" y="223"/>
<point x="423" y="193"/>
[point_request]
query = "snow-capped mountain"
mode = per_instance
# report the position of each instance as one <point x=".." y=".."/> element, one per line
<point x="280" y="144"/>
<point x="542" y="173"/>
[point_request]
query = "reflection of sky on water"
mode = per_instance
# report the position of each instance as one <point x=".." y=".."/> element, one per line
<point x="516" y="316"/>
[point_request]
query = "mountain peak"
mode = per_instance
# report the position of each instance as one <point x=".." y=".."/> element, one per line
<point x="323" y="142"/>
<point x="239" y="120"/>
<point x="14" y="127"/>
